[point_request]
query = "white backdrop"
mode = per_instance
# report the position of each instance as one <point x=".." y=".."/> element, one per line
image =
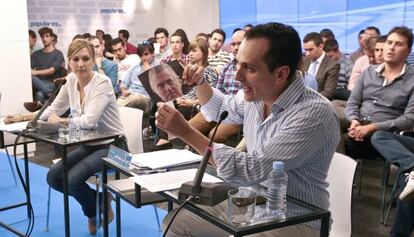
<point x="140" y="17"/>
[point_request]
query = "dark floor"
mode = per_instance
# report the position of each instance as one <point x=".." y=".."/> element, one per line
<point x="366" y="205"/>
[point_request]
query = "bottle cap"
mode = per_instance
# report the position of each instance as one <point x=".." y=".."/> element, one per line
<point x="278" y="165"/>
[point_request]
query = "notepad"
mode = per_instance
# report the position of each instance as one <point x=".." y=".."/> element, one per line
<point x="13" y="127"/>
<point x="165" y="158"/>
<point x="170" y="180"/>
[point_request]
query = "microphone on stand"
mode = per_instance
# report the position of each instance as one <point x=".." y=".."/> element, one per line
<point x="46" y="127"/>
<point x="208" y="194"/>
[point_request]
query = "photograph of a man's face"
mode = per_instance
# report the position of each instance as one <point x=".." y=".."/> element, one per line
<point x="165" y="82"/>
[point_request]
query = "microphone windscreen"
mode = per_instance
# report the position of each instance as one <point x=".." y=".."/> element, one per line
<point x="224" y="115"/>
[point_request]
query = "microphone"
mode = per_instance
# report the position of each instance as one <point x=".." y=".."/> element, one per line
<point x="208" y="194"/>
<point x="46" y="127"/>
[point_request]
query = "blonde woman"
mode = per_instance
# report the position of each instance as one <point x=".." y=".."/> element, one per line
<point x="92" y="95"/>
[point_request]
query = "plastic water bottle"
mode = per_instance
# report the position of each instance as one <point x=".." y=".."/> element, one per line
<point x="276" y="196"/>
<point x="74" y="127"/>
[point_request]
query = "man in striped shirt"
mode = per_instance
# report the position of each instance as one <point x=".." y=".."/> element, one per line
<point x="283" y="121"/>
<point x="217" y="58"/>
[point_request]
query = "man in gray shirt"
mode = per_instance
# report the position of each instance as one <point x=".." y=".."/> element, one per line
<point x="383" y="97"/>
<point x="47" y="64"/>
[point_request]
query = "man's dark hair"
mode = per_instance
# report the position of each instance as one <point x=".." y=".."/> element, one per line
<point x="327" y="33"/>
<point x="284" y="45"/>
<point x="124" y="33"/>
<point x="180" y="32"/>
<point x="248" y="25"/>
<point x="45" y="30"/>
<point x="32" y="34"/>
<point x="235" y="30"/>
<point x="405" y="32"/>
<point x="117" y="41"/>
<point x="86" y="35"/>
<point x="382" y="39"/>
<point x="202" y="34"/>
<point x="360" y="33"/>
<point x="145" y="46"/>
<point x="161" y="30"/>
<point x="54" y="37"/>
<point x="331" y="45"/>
<point x="374" y="29"/>
<point x="219" y="31"/>
<point x="313" y="36"/>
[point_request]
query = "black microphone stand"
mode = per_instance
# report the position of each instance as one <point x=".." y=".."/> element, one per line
<point x="33" y="125"/>
<point x="208" y="194"/>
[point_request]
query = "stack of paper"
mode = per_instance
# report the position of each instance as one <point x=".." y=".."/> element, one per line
<point x="165" y="158"/>
<point x="12" y="127"/>
<point x="170" y="180"/>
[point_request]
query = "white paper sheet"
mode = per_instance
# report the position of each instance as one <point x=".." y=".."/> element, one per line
<point x="170" y="180"/>
<point x="165" y="158"/>
<point x="12" y="126"/>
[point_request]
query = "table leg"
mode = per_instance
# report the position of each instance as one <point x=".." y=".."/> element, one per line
<point x="105" y="200"/>
<point x="65" y="192"/>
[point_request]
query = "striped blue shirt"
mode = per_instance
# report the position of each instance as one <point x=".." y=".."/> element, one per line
<point x="302" y="130"/>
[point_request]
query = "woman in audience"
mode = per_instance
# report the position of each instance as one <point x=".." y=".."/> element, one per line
<point x="92" y="95"/>
<point x="107" y="42"/>
<point x="198" y="56"/>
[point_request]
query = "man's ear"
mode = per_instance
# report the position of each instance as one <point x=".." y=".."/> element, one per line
<point x="281" y="73"/>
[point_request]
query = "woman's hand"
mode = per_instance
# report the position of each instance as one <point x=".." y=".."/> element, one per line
<point x="13" y="118"/>
<point x="54" y="118"/>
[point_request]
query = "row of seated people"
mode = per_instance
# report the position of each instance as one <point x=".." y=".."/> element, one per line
<point x="380" y="100"/>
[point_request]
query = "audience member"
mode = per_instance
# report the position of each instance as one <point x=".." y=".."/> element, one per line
<point x="247" y="27"/>
<point x="184" y="38"/>
<point x="177" y="50"/>
<point x="104" y="65"/>
<point x="203" y="36"/>
<point x="383" y="98"/>
<point x="331" y="48"/>
<point x="100" y="33"/>
<point x="362" y="63"/>
<point x="125" y="61"/>
<point x="198" y="56"/>
<point x="327" y="34"/>
<point x="161" y="36"/>
<point x="399" y="150"/>
<point x="133" y="93"/>
<point x="284" y="121"/>
<point x="320" y="66"/>
<point x="227" y="84"/>
<point x="130" y="48"/>
<point x="107" y="42"/>
<point x="217" y="58"/>
<point x="46" y="66"/>
<point x="379" y="49"/>
<point x="32" y="41"/>
<point x="360" y="51"/>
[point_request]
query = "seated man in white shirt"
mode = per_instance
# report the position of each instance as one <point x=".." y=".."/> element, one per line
<point x="125" y="61"/>
<point x="283" y="121"/>
<point x="133" y="93"/>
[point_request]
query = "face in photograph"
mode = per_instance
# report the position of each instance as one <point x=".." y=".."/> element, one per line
<point x="216" y="42"/>
<point x="396" y="49"/>
<point x="165" y="83"/>
<point x="177" y="44"/>
<point x="312" y="51"/>
<point x="82" y="63"/>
